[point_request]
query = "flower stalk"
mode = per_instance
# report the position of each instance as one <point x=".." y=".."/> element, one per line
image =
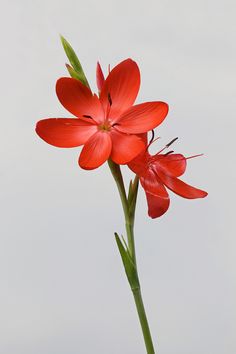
<point x="127" y="251"/>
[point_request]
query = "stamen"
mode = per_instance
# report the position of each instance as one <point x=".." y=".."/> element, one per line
<point x="109" y="98"/>
<point x="169" y="152"/>
<point x="192" y="157"/>
<point x="152" y="140"/>
<point x="182" y="158"/>
<point x="167" y="145"/>
<point x="109" y="105"/>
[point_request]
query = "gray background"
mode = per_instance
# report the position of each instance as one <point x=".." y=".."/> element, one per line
<point x="63" y="289"/>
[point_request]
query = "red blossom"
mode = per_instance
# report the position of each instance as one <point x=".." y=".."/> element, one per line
<point x="108" y="125"/>
<point x="156" y="172"/>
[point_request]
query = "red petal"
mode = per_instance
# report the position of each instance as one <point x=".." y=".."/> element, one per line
<point x="99" y="77"/>
<point x="179" y="187"/>
<point x="139" y="164"/>
<point x="152" y="184"/>
<point x="96" y="151"/>
<point x="125" y="147"/>
<point x="65" y="132"/>
<point x="122" y="85"/>
<point x="78" y="99"/>
<point x="174" y="164"/>
<point x="157" y="206"/>
<point x="156" y="194"/>
<point x="142" y="117"/>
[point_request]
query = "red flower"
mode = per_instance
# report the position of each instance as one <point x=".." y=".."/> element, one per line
<point x="158" y="172"/>
<point x="107" y="126"/>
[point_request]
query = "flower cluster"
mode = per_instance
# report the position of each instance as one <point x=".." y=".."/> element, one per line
<point x="110" y="126"/>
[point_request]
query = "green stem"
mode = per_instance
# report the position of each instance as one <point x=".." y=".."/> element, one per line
<point x="143" y="321"/>
<point x="129" y="222"/>
<point x="129" y="213"/>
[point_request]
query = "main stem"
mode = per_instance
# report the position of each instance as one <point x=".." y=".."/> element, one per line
<point x="129" y="213"/>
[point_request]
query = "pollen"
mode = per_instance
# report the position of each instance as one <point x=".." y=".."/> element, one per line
<point x="105" y="126"/>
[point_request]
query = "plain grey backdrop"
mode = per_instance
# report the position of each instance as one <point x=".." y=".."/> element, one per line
<point x="63" y="289"/>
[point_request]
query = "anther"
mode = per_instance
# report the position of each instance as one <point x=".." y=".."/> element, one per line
<point x="169" y="152"/>
<point x="152" y="138"/>
<point x="171" y="142"/>
<point x="109" y="98"/>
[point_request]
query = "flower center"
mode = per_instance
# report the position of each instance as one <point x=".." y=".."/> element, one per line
<point x="105" y="126"/>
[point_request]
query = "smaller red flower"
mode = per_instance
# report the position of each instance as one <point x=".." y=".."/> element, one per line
<point x="158" y="172"/>
<point x="109" y="125"/>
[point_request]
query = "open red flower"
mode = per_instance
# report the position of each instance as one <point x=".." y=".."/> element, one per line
<point x="108" y="125"/>
<point x="158" y="172"/>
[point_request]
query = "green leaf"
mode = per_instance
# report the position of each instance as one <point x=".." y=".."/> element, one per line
<point x="75" y="63"/>
<point x="129" y="266"/>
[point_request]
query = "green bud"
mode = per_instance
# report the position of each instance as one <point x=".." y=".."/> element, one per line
<point x="75" y="70"/>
